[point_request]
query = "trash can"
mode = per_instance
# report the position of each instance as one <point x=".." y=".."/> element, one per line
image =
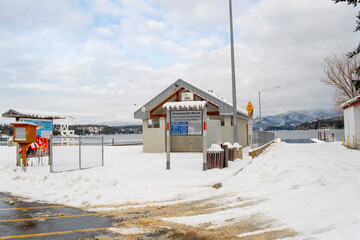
<point x="214" y="156"/>
<point x="229" y="152"/>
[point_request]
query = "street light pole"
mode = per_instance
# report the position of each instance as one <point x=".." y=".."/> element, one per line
<point x="233" y="76"/>
<point x="260" y="112"/>
<point x="260" y="104"/>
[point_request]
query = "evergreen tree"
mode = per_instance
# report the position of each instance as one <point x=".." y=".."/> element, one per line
<point x="353" y="2"/>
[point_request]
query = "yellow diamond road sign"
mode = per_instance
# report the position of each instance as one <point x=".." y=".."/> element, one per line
<point x="249" y="108"/>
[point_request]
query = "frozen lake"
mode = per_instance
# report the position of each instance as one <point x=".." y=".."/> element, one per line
<point x="308" y="134"/>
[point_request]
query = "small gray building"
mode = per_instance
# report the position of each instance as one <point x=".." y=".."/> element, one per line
<point x="219" y="118"/>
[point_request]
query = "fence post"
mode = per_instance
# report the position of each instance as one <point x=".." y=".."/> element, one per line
<point x="102" y="149"/>
<point x="51" y="154"/>
<point x="353" y="141"/>
<point x="79" y="152"/>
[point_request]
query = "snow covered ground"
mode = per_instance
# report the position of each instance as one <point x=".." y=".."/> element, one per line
<point x="129" y="175"/>
<point x="313" y="189"/>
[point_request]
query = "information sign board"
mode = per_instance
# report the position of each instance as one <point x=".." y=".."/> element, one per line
<point x="45" y="127"/>
<point x="186" y="123"/>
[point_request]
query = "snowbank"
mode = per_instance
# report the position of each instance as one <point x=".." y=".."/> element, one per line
<point x="129" y="175"/>
<point x="311" y="188"/>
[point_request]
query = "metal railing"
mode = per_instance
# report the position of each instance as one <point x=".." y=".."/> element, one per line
<point x="87" y="152"/>
<point x="260" y="138"/>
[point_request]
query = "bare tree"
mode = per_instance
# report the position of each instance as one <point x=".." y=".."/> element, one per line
<point x="339" y="73"/>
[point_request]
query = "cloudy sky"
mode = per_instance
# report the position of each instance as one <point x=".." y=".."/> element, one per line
<point x="101" y="60"/>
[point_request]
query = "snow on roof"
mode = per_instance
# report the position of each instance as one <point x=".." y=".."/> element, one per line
<point x="15" y="114"/>
<point x="350" y="101"/>
<point x="239" y="110"/>
<point x="225" y="108"/>
<point x="184" y="105"/>
<point x="25" y="123"/>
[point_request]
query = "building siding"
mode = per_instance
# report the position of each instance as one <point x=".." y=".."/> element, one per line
<point x="154" y="139"/>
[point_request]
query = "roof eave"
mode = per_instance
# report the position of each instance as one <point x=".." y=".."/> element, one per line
<point x="224" y="107"/>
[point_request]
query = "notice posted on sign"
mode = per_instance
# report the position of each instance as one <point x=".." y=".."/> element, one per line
<point x="186" y="123"/>
<point x="45" y="127"/>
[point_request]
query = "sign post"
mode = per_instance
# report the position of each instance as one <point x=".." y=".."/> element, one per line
<point x="185" y="121"/>
<point x="250" y="109"/>
<point x="204" y="137"/>
<point x="167" y="139"/>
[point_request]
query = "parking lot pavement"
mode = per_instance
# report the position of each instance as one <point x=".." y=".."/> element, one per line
<point x="20" y="218"/>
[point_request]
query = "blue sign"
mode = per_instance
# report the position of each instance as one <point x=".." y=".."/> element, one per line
<point x="45" y="127"/>
<point x="188" y="123"/>
<point x="179" y="128"/>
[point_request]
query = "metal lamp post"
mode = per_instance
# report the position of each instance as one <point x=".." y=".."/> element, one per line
<point x="233" y="76"/>
<point x="260" y="103"/>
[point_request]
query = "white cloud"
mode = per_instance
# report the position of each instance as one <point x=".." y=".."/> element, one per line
<point x="104" y="31"/>
<point x="106" y="7"/>
<point x="99" y="59"/>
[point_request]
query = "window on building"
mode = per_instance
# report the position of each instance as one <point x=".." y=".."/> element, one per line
<point x="154" y="123"/>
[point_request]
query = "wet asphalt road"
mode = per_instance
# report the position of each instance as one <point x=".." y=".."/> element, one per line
<point x="33" y="220"/>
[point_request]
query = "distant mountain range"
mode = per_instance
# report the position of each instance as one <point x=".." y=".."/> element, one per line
<point x="284" y="121"/>
<point x="289" y="120"/>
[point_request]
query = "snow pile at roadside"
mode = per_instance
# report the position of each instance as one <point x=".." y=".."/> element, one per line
<point x="311" y="188"/>
<point x="129" y="175"/>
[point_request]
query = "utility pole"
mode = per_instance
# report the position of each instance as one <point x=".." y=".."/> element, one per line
<point x="259" y="92"/>
<point x="233" y="76"/>
<point x="260" y="112"/>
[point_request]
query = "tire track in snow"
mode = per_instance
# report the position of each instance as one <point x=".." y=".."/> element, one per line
<point x="156" y="222"/>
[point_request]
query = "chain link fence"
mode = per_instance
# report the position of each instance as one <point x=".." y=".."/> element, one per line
<point x="85" y="152"/>
<point x="261" y="138"/>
